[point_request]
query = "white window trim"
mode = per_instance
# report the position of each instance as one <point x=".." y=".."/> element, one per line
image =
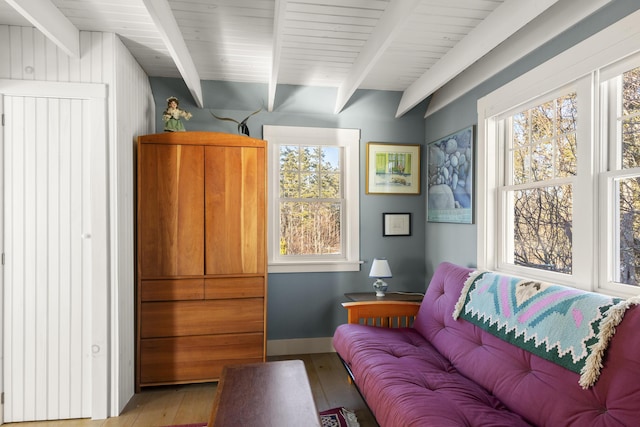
<point x="614" y="170"/>
<point x="582" y="60"/>
<point x="583" y="243"/>
<point x="350" y="140"/>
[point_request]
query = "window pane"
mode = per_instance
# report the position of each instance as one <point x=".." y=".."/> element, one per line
<point x="631" y="142"/>
<point x="289" y="184"/>
<point x="542" y="121"/>
<point x="520" y="129"/>
<point x="542" y="228"/>
<point x="330" y="179"/>
<point x="521" y="166"/>
<point x="309" y="185"/>
<point x="289" y="157"/>
<point x="567" y="113"/>
<point x="330" y="159"/>
<point x="550" y="149"/>
<point x="308" y="225"/>
<point x="542" y="161"/>
<point x="628" y="191"/>
<point x="631" y="92"/>
<point x="566" y="159"/>
<point x="330" y="188"/>
<point x="310" y="228"/>
<point x="309" y="158"/>
<point x="630" y="119"/>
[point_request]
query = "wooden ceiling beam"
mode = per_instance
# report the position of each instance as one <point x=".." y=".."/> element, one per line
<point x="47" y="18"/>
<point x="502" y="23"/>
<point x="553" y="22"/>
<point x="278" y="30"/>
<point x="166" y="24"/>
<point x="391" y="22"/>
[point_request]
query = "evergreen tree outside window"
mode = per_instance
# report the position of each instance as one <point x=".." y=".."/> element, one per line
<point x="313" y="199"/>
<point x="310" y="200"/>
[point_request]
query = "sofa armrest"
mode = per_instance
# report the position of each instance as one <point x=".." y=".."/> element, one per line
<point x="386" y="314"/>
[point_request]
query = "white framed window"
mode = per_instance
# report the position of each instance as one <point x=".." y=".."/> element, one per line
<point x="544" y="171"/>
<point x="620" y="184"/>
<point x="313" y="199"/>
<point x="558" y="175"/>
<point x="539" y="178"/>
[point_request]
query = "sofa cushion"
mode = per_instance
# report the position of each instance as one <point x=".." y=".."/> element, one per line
<point x="543" y="392"/>
<point x="407" y="382"/>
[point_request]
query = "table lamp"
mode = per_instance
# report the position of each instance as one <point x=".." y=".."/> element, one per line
<point x="380" y="269"/>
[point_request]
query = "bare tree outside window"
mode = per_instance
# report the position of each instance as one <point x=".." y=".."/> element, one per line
<point x="628" y="189"/>
<point x="542" y="153"/>
<point x="543" y="162"/>
<point x="542" y="228"/>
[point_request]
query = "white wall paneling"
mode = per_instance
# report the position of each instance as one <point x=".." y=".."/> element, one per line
<point x="134" y="115"/>
<point x="31" y="65"/>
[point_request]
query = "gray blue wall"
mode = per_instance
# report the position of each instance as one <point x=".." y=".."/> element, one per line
<point x="308" y="305"/>
<point x="457" y="243"/>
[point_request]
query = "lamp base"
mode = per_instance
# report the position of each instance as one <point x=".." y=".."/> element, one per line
<point x="380" y="286"/>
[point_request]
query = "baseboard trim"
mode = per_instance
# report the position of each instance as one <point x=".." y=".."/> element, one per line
<point x="299" y="346"/>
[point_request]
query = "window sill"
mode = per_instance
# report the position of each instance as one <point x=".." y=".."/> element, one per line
<point x="314" y="267"/>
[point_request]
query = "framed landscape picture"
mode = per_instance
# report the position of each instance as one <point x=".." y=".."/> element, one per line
<point x="450" y="178"/>
<point x="392" y="168"/>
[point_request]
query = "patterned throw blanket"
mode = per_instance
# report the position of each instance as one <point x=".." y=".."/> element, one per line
<point x="564" y="325"/>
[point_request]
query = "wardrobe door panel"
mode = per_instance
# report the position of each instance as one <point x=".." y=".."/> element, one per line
<point x="171" y="215"/>
<point x="235" y="210"/>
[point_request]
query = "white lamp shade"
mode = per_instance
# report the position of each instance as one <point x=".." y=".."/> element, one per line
<point x="380" y="268"/>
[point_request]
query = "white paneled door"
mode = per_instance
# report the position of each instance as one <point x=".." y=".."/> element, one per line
<point x="47" y="246"/>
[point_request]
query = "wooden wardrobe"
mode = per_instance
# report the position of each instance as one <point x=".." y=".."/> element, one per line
<point x="201" y="255"/>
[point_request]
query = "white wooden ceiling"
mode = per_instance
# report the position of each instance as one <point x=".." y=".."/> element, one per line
<point x="413" y="46"/>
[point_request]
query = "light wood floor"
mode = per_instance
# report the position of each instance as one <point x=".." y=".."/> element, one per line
<point x="184" y="404"/>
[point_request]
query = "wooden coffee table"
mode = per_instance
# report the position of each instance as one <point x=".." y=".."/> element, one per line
<point x="264" y="394"/>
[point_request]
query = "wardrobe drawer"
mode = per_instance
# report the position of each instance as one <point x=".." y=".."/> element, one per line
<point x="172" y="290"/>
<point x="201" y="358"/>
<point x="234" y="287"/>
<point x="180" y="318"/>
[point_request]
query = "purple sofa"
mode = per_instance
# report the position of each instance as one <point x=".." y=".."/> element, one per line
<point x="445" y="372"/>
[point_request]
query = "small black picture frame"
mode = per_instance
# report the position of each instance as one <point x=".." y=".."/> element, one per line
<point x="396" y="224"/>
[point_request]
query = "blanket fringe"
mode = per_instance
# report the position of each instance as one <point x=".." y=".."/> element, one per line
<point x="593" y="364"/>
<point x="350" y="417"/>
<point x="463" y="293"/>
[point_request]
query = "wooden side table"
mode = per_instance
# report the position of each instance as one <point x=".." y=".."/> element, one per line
<point x="389" y="296"/>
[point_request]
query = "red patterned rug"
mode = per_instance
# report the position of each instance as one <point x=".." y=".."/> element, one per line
<point x="339" y="417"/>
<point x="336" y="417"/>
